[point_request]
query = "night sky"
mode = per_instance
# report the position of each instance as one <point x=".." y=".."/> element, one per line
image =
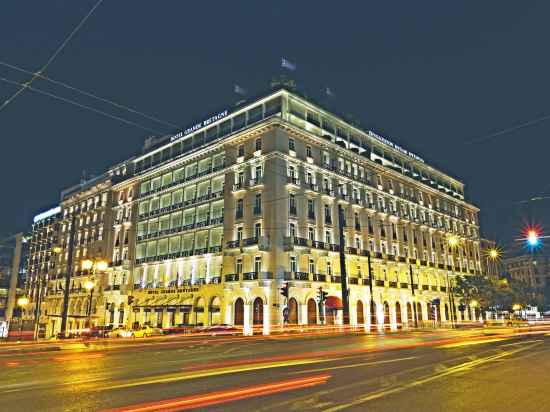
<point x="431" y="76"/>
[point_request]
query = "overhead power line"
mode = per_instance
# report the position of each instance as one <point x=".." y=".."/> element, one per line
<point x="509" y="129"/>
<point x="89" y="94"/>
<point x="34" y="89"/>
<point x="52" y="58"/>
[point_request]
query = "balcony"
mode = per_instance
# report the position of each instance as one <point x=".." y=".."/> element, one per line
<point x="312" y="187"/>
<point x="379" y="282"/>
<point x="215" y="280"/>
<point x="233" y="277"/>
<point x="250" y="276"/>
<point x="250" y="241"/>
<point x="319" y="277"/>
<point x="353" y="281"/>
<point x="393" y="285"/>
<point x="425" y="287"/>
<point x="301" y="276"/>
<point x="366" y="282"/>
<point x="352" y="251"/>
<point x="256" y="181"/>
<point x="404" y="285"/>
<point x="233" y="244"/>
<point x="335" y="279"/>
<point x="238" y="186"/>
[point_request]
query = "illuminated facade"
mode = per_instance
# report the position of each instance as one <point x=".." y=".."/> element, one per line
<point x="229" y="212"/>
<point x="205" y="227"/>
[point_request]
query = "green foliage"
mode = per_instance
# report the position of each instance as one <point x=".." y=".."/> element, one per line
<point x="499" y="294"/>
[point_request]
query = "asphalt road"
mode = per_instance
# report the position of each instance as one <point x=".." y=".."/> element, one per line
<point x="481" y="370"/>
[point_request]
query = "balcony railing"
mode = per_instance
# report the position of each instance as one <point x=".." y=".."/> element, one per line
<point x="233" y="277"/>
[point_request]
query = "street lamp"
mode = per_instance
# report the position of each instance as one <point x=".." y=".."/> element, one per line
<point x="89" y="286"/>
<point x="21" y="302"/>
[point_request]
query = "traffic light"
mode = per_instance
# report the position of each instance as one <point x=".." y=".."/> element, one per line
<point x="130" y="300"/>
<point x="321" y="296"/>
<point x="284" y="290"/>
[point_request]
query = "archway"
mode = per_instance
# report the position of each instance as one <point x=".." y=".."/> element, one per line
<point x="419" y="313"/>
<point x="386" y="315"/>
<point x="360" y="313"/>
<point x="430" y="311"/>
<point x="398" y="315"/>
<point x="258" y="312"/>
<point x="332" y="305"/>
<point x="292" y="311"/>
<point x="238" y="318"/>
<point x="311" y="312"/>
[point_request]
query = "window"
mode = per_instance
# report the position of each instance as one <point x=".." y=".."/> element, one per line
<point x="258" y="204"/>
<point x="311" y="266"/>
<point x="258" y="173"/>
<point x="292" y="204"/>
<point x="258" y="144"/>
<point x="293" y="267"/>
<point x="291" y="145"/>
<point x="241" y="150"/>
<point x="326" y="158"/>
<point x="257" y="230"/>
<point x="257" y="264"/>
<point x="328" y="237"/>
<point x="239" y="233"/>
<point x="308" y="151"/>
<point x="239" y="209"/>
<point x="311" y="209"/>
<point x="310" y="233"/>
<point x="358" y="243"/>
<point x="239" y="266"/>
<point x="292" y="230"/>
<point x="329" y="268"/>
<point x="328" y="215"/>
<point x="357" y="223"/>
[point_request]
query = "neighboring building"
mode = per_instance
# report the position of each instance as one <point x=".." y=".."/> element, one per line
<point x="41" y="264"/>
<point x="205" y="227"/>
<point x="532" y="269"/>
<point x="489" y="266"/>
<point x="84" y="233"/>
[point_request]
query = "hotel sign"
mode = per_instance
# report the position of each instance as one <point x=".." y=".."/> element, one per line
<point x="396" y="147"/>
<point x="172" y="291"/>
<point x="200" y="125"/>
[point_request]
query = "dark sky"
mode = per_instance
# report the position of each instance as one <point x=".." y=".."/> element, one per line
<point x="431" y="75"/>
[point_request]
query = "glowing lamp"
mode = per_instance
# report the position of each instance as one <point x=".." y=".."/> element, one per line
<point x="23" y="301"/>
<point x="88" y="285"/>
<point x="532" y="238"/>
<point x="87" y="264"/>
<point x="101" y="265"/>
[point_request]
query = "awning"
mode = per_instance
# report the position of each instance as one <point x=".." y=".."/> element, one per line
<point x="333" y="302"/>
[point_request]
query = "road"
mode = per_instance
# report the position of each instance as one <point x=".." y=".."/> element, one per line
<point x="443" y="370"/>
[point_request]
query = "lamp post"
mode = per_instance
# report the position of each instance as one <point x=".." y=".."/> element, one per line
<point x="89" y="286"/>
<point x="92" y="266"/>
<point x="21" y="302"/>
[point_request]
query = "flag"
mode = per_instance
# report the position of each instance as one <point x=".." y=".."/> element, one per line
<point x="329" y="92"/>
<point x="239" y="90"/>
<point x="288" y="64"/>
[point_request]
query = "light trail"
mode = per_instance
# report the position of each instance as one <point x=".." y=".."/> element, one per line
<point x="230" y="395"/>
<point x="466" y="366"/>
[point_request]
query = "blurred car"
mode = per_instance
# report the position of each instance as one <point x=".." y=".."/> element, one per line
<point x="143" y="332"/>
<point x="119" y="333"/>
<point x="222" y="329"/>
<point x="516" y="322"/>
<point x="181" y="328"/>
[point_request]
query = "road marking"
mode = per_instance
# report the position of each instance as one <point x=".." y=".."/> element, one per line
<point x="421" y="381"/>
<point x="523" y="342"/>
<point x="472" y="342"/>
<point x="356" y="365"/>
<point x="208" y="373"/>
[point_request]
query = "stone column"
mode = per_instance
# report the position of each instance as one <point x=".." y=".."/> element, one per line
<point x="267" y="320"/>
<point x="302" y="315"/>
<point x="228" y="314"/>
<point x="393" y="317"/>
<point x="247" y="326"/>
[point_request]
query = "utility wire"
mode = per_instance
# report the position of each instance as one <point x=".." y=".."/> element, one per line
<point x="94" y="96"/>
<point x="509" y="130"/>
<point x="52" y="58"/>
<point x="34" y="89"/>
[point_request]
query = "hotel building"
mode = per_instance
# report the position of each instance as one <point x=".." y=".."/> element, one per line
<point x="205" y="227"/>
